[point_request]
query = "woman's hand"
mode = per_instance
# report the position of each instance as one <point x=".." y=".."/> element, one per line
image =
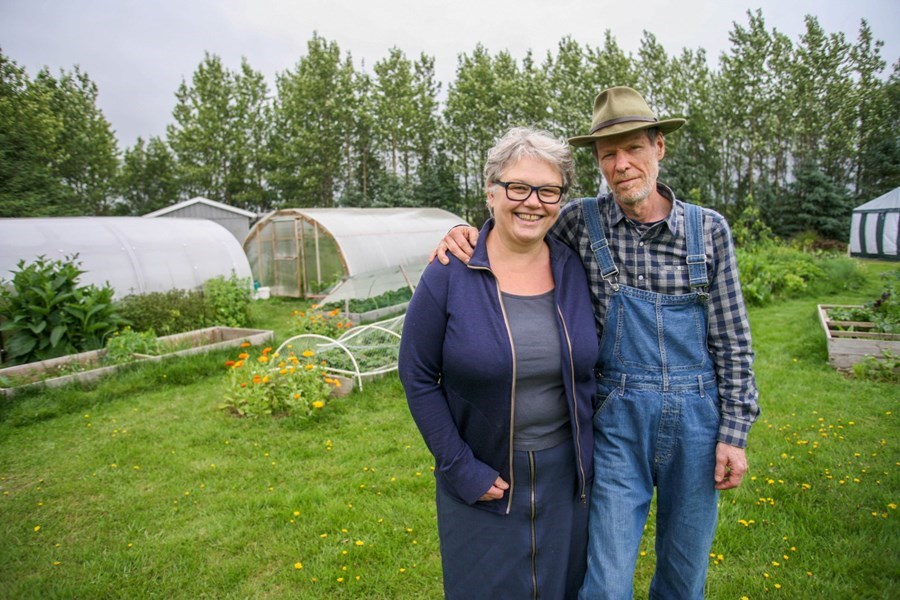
<point x="496" y="491"/>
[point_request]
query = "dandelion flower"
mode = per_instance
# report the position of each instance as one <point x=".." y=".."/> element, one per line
<point x="298" y="565"/>
<point x="308" y="353"/>
<point x="37" y="528"/>
<point x="360" y="543"/>
<point x="318" y="404"/>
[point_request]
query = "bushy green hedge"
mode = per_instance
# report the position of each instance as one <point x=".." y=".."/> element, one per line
<point x="776" y="271"/>
<point x="222" y="302"/>
<point x="165" y="313"/>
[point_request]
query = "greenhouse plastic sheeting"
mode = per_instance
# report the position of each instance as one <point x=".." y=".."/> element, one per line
<point x="375" y="283"/>
<point x="134" y="255"/>
<point x="303" y="251"/>
<point x="372" y="239"/>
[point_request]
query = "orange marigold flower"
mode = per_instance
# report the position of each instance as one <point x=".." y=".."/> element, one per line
<point x="266" y="350"/>
<point x="243" y="384"/>
<point x="263" y="359"/>
<point x="333" y="313"/>
<point x="245" y="345"/>
<point x="243" y="356"/>
<point x="308" y="353"/>
<point x="257" y="379"/>
<point x="229" y="363"/>
<point x="238" y="364"/>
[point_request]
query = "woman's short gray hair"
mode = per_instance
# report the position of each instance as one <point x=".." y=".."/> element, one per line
<point x="521" y="142"/>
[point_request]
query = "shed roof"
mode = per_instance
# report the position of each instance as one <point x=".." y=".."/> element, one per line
<point x="133" y="254"/>
<point x="201" y="200"/>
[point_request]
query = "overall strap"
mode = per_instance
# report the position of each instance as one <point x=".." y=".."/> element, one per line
<point x="590" y="208"/>
<point x="696" y="258"/>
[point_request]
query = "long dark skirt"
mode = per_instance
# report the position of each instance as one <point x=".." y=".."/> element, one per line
<point x="538" y="550"/>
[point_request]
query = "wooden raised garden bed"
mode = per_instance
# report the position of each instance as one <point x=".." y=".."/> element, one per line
<point x="851" y="341"/>
<point x="88" y="366"/>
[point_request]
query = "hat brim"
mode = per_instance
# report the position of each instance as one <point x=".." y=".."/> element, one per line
<point x="667" y="126"/>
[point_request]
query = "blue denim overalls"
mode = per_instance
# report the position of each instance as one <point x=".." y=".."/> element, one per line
<point x="656" y="425"/>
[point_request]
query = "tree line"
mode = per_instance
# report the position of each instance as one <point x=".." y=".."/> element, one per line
<point x="801" y="130"/>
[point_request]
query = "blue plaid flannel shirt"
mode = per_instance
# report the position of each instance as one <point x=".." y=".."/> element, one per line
<point x="655" y="261"/>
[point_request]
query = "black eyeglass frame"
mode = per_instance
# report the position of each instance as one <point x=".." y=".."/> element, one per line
<point x="535" y="189"/>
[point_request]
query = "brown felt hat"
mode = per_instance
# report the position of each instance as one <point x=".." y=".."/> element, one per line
<point x="621" y="110"/>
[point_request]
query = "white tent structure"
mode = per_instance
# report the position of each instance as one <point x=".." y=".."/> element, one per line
<point x="301" y="252"/>
<point x="133" y="254"/>
<point x="873" y="227"/>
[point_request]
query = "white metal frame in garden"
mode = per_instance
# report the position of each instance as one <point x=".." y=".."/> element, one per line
<point x="351" y="354"/>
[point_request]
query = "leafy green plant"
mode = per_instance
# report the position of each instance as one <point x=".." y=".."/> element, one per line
<point x="884" y="368"/>
<point x="883" y="312"/>
<point x="123" y="345"/>
<point x="272" y="385"/>
<point x="47" y="314"/>
<point x="228" y="300"/>
<point x="390" y="298"/>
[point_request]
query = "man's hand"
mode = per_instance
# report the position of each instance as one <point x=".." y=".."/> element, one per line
<point x="731" y="464"/>
<point x="496" y="491"/>
<point x="460" y="241"/>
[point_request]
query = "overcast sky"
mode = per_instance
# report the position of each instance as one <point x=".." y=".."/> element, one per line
<point x="139" y="51"/>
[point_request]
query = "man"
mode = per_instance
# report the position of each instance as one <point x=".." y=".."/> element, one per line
<point x="676" y="394"/>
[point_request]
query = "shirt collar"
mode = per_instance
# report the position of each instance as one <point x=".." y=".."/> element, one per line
<point x="671" y="220"/>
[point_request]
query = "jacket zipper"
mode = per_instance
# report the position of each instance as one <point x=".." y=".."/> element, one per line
<point x="512" y="395"/>
<point x="534" y="586"/>
<point x="574" y="407"/>
<point x="512" y="398"/>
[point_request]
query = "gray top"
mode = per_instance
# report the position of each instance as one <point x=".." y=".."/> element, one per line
<point x="541" y="417"/>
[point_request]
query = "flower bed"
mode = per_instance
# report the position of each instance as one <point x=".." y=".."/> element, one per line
<point x="87" y="366"/>
<point x="849" y="342"/>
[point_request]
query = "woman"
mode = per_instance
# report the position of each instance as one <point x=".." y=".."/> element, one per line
<point x="496" y="360"/>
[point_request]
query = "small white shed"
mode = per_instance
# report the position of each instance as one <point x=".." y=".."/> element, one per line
<point x="234" y="219"/>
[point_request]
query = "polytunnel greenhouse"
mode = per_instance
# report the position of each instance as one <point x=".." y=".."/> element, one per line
<point x="302" y="252"/>
<point x="134" y="255"/>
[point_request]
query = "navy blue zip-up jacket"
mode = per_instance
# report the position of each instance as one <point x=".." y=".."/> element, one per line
<point x="458" y="370"/>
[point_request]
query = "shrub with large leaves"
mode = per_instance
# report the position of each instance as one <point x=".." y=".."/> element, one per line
<point x="45" y="313"/>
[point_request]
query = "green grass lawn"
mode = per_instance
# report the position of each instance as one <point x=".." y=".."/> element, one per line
<point x="140" y="487"/>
